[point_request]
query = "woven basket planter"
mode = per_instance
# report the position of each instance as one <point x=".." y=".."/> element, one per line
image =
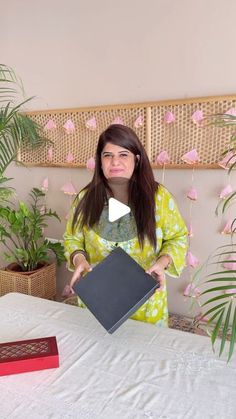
<point x="39" y="283"/>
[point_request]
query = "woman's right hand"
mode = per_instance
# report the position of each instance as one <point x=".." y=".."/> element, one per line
<point x="81" y="266"/>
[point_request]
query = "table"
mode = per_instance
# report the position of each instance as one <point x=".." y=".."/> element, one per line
<point x="141" y="371"/>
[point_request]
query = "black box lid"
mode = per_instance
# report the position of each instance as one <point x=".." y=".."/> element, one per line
<point x="115" y="289"/>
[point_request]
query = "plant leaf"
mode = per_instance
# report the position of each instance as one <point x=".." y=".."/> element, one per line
<point x="219" y="297"/>
<point x="221" y="288"/>
<point x="225" y="329"/>
<point x="214" y="308"/>
<point x="233" y="336"/>
<point x="217" y="328"/>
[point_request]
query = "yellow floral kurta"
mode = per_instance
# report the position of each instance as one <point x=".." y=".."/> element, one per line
<point x="171" y="235"/>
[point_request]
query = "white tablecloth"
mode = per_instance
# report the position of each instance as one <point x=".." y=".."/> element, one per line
<point x="140" y="371"/>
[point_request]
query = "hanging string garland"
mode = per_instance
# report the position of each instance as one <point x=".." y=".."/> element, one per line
<point x="50" y="154"/>
<point x="70" y="158"/>
<point x="191" y="290"/>
<point x="44" y="188"/>
<point x="226" y="191"/>
<point x="162" y="159"/>
<point x="191" y="158"/>
<point x="69" y="190"/>
<point x="225" y="163"/>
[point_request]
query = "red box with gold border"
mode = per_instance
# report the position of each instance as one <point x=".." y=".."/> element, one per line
<point x="28" y="355"/>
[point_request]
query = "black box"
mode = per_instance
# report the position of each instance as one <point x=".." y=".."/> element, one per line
<point x="115" y="289"/>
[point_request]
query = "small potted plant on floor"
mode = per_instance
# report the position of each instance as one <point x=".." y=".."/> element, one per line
<point x="30" y="270"/>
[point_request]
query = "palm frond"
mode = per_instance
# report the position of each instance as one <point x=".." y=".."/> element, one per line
<point x="218" y="298"/>
<point x="10" y="84"/>
<point x="16" y="128"/>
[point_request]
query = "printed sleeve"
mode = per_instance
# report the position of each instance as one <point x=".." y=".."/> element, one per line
<point x="73" y="240"/>
<point x="174" y="232"/>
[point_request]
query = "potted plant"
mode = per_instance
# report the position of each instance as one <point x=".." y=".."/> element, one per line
<point x="216" y="278"/>
<point x="21" y="233"/>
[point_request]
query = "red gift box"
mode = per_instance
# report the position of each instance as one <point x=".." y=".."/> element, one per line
<point x="28" y="355"/>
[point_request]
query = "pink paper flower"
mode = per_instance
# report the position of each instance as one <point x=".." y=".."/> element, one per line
<point x="138" y="122"/>
<point x="190" y="230"/>
<point x="227" y="228"/>
<point x="201" y="318"/>
<point x="191" y="260"/>
<point x="225" y="191"/>
<point x="163" y="158"/>
<point x="45" y="185"/>
<point x="117" y="120"/>
<point x="192" y="194"/>
<point x="197" y="116"/>
<point x="69" y="126"/>
<point x="231" y="111"/>
<point x="190" y="157"/>
<point x="50" y="125"/>
<point x="191" y="291"/>
<point x="90" y="163"/>
<point x="70" y="158"/>
<point x="228" y="160"/>
<point x="231" y="291"/>
<point x="42" y="210"/>
<point x="169" y="117"/>
<point x="67" y="292"/>
<point x="69" y="189"/>
<point x="50" y="154"/>
<point x="230" y="265"/>
<point x="91" y="123"/>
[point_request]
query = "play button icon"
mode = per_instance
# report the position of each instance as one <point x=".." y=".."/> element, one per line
<point x="116" y="209"/>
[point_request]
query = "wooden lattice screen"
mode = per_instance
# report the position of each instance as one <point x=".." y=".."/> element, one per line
<point x="156" y="135"/>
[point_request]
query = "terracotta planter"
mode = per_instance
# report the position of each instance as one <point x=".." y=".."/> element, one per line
<point x="39" y="283"/>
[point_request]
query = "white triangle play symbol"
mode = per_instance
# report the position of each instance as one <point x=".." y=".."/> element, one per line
<point x="116" y="209"/>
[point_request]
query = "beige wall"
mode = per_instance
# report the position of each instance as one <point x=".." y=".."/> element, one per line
<point x="85" y="52"/>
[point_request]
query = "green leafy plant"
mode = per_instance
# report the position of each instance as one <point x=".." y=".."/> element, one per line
<point x="21" y="233"/>
<point x="5" y="191"/>
<point x="16" y="128"/>
<point x="217" y="276"/>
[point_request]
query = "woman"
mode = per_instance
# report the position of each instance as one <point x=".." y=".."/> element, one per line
<point x="153" y="233"/>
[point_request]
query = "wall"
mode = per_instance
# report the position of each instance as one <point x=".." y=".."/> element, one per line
<point x="84" y="52"/>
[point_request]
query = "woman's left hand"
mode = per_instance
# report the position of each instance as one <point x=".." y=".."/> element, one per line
<point x="158" y="269"/>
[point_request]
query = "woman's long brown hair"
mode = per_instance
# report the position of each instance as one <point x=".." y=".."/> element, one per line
<point x="142" y="186"/>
